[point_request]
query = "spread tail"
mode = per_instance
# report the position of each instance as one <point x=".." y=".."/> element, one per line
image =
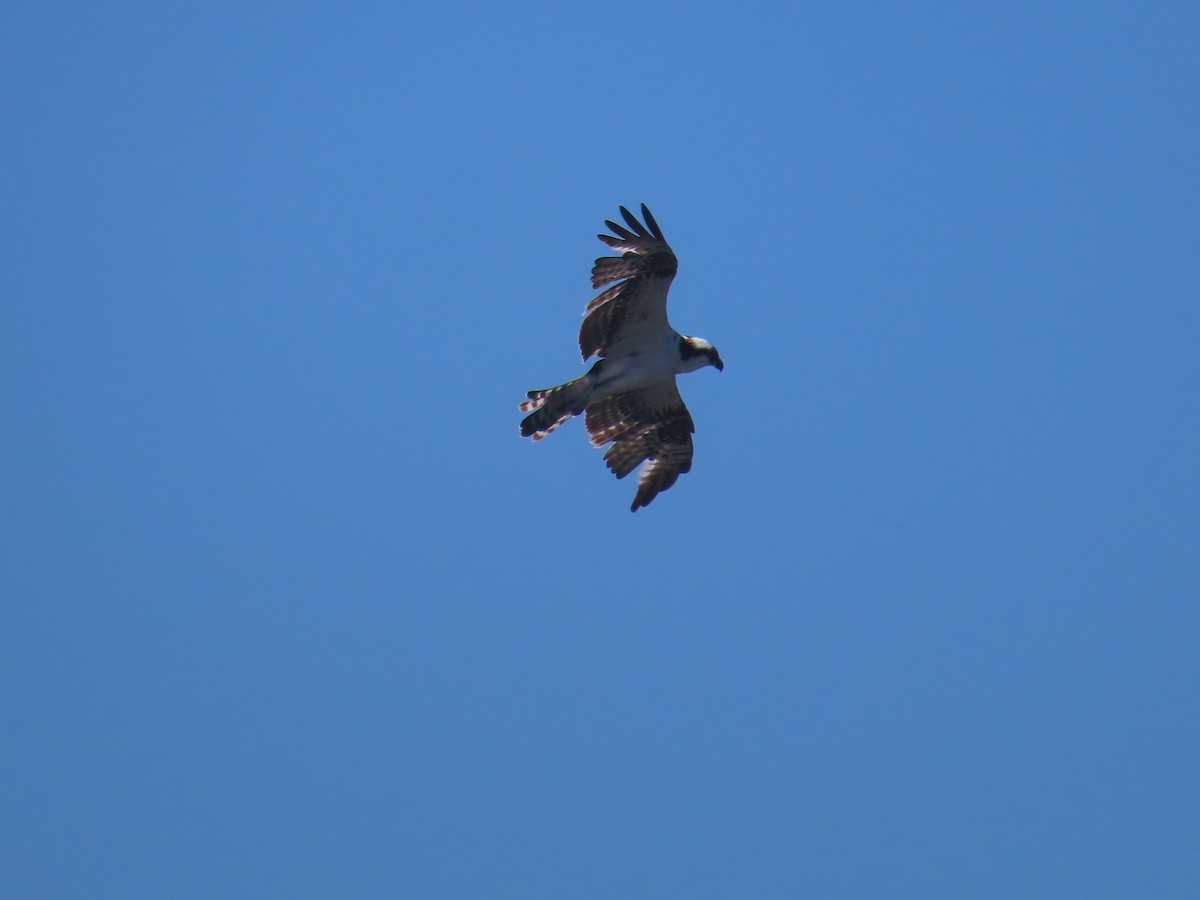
<point x="551" y="407"/>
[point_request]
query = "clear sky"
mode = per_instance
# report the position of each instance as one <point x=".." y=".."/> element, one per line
<point x="290" y="609"/>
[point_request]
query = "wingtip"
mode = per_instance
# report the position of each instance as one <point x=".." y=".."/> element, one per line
<point x="637" y="226"/>
<point x="652" y="223"/>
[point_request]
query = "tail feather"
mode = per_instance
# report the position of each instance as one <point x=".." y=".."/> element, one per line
<point x="550" y="407"/>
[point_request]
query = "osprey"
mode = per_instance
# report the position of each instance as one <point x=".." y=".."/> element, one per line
<point x="630" y="395"/>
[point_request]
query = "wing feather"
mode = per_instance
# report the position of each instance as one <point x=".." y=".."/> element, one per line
<point x="649" y="217"/>
<point x="634" y="223"/>
<point x="651" y="426"/>
<point x="671" y="460"/>
<point x="632" y="312"/>
<point x="617" y="230"/>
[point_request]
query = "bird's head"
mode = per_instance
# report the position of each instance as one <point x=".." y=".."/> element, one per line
<point x="696" y="353"/>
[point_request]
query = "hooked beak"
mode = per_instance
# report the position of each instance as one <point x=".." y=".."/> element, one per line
<point x="719" y="364"/>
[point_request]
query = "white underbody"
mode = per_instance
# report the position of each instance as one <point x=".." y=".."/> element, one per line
<point x="653" y="364"/>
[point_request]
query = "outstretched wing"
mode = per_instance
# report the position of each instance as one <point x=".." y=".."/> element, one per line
<point x="651" y="425"/>
<point x="631" y="313"/>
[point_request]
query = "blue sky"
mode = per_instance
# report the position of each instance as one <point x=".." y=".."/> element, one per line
<point x="291" y="610"/>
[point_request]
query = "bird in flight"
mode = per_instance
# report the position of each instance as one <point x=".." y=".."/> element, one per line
<point x="629" y="396"/>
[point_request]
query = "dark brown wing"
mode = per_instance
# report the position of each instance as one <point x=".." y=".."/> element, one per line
<point x="651" y="424"/>
<point x="632" y="312"/>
